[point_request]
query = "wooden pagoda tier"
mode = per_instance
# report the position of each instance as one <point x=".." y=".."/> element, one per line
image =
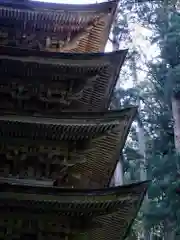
<point x="56" y="27"/>
<point x="79" y="149"/>
<point x="43" y="213"/>
<point x="48" y="83"/>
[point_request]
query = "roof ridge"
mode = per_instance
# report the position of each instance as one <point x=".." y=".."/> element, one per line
<point x="102" y="191"/>
<point x="23" y="52"/>
<point x="64" y="6"/>
<point x="78" y="115"/>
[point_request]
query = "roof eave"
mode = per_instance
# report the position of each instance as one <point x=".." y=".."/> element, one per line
<point x="58" y="191"/>
<point x="106" y="6"/>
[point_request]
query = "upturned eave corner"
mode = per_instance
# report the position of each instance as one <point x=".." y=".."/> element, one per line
<point x="92" y="131"/>
<point x="73" y="82"/>
<point x="110" y="209"/>
<point x="92" y="36"/>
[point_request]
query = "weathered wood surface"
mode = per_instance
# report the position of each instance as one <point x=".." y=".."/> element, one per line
<point x="56" y="27"/>
<point x="51" y="82"/>
<point x="18" y="219"/>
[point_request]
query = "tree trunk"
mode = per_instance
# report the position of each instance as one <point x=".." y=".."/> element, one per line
<point x="118" y="178"/>
<point x="143" y="172"/>
<point x="168" y="233"/>
<point x="119" y="173"/>
<point x="176" y="117"/>
<point x="141" y="143"/>
<point x="142" y="150"/>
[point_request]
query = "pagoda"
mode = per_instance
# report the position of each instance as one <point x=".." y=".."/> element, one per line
<point x="59" y="143"/>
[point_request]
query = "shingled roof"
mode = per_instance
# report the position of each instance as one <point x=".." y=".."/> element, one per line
<point x="56" y="27"/>
<point x="103" y="134"/>
<point x="44" y="82"/>
<point x="110" y="210"/>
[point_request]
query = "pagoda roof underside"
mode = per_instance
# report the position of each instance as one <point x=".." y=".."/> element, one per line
<point x="78" y="28"/>
<point x="91" y="166"/>
<point x="112" y="210"/>
<point x="68" y="126"/>
<point x="54" y="82"/>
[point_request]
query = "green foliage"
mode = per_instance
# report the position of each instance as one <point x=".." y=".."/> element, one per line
<point x="163" y="164"/>
<point x="155" y="93"/>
